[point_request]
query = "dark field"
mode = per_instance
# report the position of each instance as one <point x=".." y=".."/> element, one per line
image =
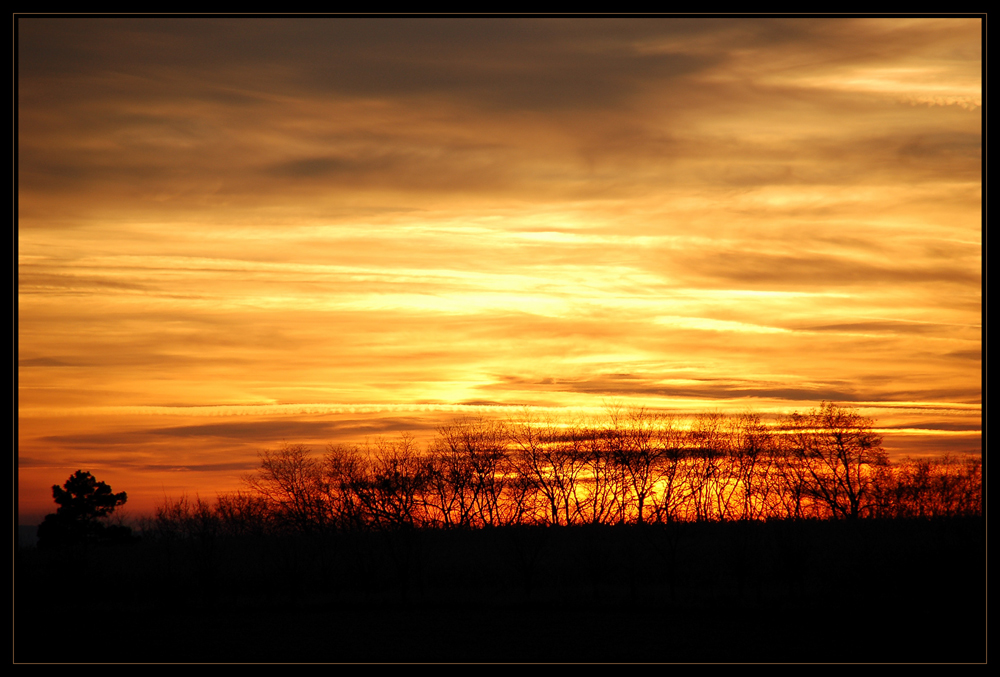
<point x="780" y="591"/>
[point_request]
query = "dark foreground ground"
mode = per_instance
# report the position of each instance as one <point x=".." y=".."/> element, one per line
<point x="901" y="591"/>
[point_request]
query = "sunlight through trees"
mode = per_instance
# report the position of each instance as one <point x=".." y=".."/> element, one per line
<point x="634" y="466"/>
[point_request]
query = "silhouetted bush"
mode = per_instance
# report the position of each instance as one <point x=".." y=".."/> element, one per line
<point x="84" y="504"/>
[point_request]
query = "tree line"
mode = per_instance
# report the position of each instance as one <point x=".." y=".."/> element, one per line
<point x="634" y="466"/>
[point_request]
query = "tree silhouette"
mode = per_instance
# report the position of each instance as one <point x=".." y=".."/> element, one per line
<point x="839" y="450"/>
<point x="83" y="503"/>
<point x="291" y="481"/>
<point x="635" y="467"/>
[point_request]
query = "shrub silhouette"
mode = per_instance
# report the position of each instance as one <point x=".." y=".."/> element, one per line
<point x="83" y="503"/>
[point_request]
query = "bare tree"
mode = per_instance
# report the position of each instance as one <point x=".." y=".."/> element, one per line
<point x="598" y="488"/>
<point x="390" y="482"/>
<point x="948" y="486"/>
<point x="671" y="494"/>
<point x="792" y="479"/>
<point x="636" y="450"/>
<point x="633" y="466"/>
<point x="345" y="469"/>
<point x="838" y="449"/>
<point x="470" y="471"/>
<point x="243" y="513"/>
<point x="705" y="443"/>
<point x="292" y="482"/>
<point x="752" y="448"/>
<point x="550" y="465"/>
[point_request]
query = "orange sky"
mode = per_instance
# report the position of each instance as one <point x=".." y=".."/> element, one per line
<point x="237" y="232"/>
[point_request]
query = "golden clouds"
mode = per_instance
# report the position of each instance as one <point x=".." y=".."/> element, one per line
<point x="226" y="213"/>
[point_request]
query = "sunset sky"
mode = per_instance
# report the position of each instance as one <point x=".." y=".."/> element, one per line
<point x="234" y="232"/>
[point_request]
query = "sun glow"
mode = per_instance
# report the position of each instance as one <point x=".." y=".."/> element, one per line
<point x="220" y="248"/>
